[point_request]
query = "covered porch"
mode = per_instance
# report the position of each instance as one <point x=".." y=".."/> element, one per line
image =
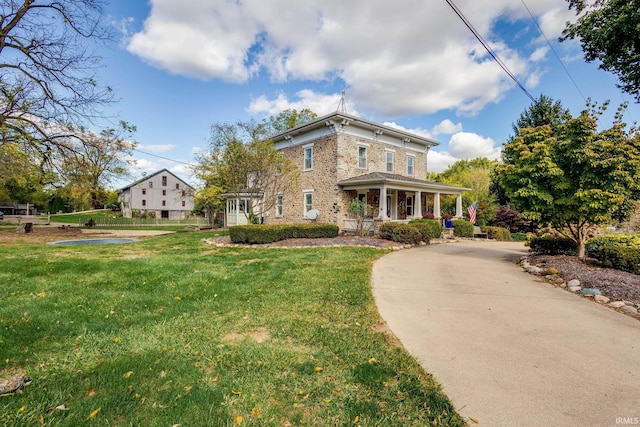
<point x="400" y="198"/>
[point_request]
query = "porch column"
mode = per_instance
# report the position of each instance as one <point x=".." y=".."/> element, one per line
<point x="436" y="205"/>
<point x="417" y="211"/>
<point x="383" y="203"/>
<point x="459" y="206"/>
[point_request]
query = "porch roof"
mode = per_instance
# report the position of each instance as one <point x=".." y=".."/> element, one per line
<point x="401" y="182"/>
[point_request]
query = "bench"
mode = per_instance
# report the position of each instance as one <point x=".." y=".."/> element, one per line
<point x="477" y="232"/>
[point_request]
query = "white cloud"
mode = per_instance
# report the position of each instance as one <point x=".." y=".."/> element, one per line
<point x="468" y="145"/>
<point x="182" y="170"/>
<point x="439" y="161"/>
<point x="144" y="165"/>
<point x="417" y="131"/>
<point x="402" y="57"/>
<point x="319" y="103"/>
<point x="157" y="148"/>
<point x="447" y="127"/>
<point x="462" y="146"/>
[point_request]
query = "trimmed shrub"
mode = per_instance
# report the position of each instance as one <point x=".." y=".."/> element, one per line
<point x="424" y="231"/>
<point x="621" y="257"/>
<point x="498" y="233"/>
<point x="595" y="246"/>
<point x="462" y="228"/>
<point x="553" y="246"/>
<point x="261" y="234"/>
<point x="619" y="251"/>
<point x="434" y="226"/>
<point x="398" y="232"/>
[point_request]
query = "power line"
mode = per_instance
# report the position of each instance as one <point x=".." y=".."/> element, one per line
<point x="553" y="50"/>
<point x="489" y="50"/>
<point x="160" y="157"/>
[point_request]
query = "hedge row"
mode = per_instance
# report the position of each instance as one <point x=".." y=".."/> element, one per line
<point x="462" y="228"/>
<point x="553" y="246"/>
<point x="261" y="234"/>
<point x="404" y="233"/>
<point x="621" y="252"/>
<point x="433" y="225"/>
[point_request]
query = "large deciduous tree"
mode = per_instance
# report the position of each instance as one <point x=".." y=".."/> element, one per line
<point x="574" y="177"/>
<point x="96" y="162"/>
<point x="609" y="30"/>
<point x="243" y="162"/>
<point x="48" y="73"/>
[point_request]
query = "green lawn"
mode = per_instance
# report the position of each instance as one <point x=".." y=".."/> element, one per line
<point x="171" y="331"/>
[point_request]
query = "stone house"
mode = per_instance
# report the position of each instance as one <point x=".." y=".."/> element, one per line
<point x="342" y="158"/>
<point x="162" y="193"/>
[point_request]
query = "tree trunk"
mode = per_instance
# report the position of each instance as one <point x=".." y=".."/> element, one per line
<point x="581" y="249"/>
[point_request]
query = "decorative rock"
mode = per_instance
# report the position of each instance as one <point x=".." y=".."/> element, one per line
<point x="550" y="271"/>
<point x="617" y="304"/>
<point x="574" y="282"/>
<point x="601" y="299"/>
<point x="534" y="269"/>
<point x="629" y="309"/>
<point x="575" y="288"/>
<point x="563" y="285"/>
<point x="590" y="291"/>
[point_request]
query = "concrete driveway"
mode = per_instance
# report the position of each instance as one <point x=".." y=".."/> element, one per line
<point x="508" y="349"/>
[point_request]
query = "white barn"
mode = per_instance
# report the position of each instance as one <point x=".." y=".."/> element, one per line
<point x="161" y="192"/>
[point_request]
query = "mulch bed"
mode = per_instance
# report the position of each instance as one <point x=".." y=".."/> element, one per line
<point x="615" y="284"/>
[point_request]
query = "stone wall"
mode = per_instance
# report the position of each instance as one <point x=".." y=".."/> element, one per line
<point x="377" y="158"/>
<point x="320" y="180"/>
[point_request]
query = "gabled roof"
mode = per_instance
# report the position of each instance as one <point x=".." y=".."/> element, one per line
<point x="164" y="171"/>
<point x="395" y="180"/>
<point x="339" y="118"/>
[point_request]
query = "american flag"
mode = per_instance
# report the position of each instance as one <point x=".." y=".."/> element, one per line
<point x="472" y="212"/>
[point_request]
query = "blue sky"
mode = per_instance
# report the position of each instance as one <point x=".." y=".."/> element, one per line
<point x="182" y="65"/>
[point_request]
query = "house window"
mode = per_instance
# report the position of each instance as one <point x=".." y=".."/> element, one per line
<point x="184" y="203"/>
<point x="409" y="206"/>
<point x="308" y="202"/>
<point x="362" y="157"/>
<point x="164" y="203"/>
<point x="390" y="158"/>
<point x="279" y="205"/>
<point x="144" y="191"/>
<point x="164" y="181"/>
<point x="144" y="202"/>
<point x="150" y="184"/>
<point x="177" y="186"/>
<point x="308" y="158"/>
<point x="232" y="206"/>
<point x="164" y="192"/>
<point x="410" y="160"/>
